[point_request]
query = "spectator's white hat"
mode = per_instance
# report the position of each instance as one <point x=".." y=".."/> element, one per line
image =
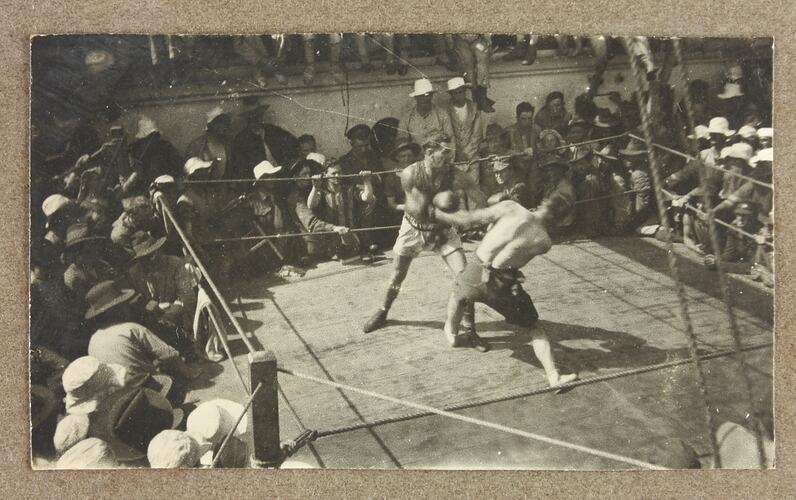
<point x="740" y="150"/>
<point x="731" y="90"/>
<point x="720" y="125"/>
<point x="173" y="449"/>
<point x="72" y="429"/>
<point x="54" y="203"/>
<point x="766" y="154"/>
<point x="163" y="179"/>
<point x="193" y="164"/>
<point x="700" y="132"/>
<point x="456" y="83"/>
<point x="91" y="453"/>
<point x="215" y="113"/>
<point x="747" y="132"/>
<point x="317" y="158"/>
<point x="212" y="420"/>
<point x="737" y="447"/>
<point x="87" y="381"/>
<point x="765" y="133"/>
<point x="265" y="167"/>
<point x="146" y="126"/>
<point x="423" y="86"/>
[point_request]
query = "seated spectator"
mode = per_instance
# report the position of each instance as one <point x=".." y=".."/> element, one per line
<point x="765" y="137"/>
<point x="425" y="119"/>
<point x="96" y="204"/>
<point x="553" y="114"/>
<point x="86" y="257"/>
<point x="121" y="341"/>
<point x="524" y="133"/>
<point x="591" y="214"/>
<point x="60" y="212"/>
<point x="71" y="429"/>
<point x="214" y="145"/>
<point x="270" y="212"/>
<point x="173" y="449"/>
<point x="90" y="453"/>
<point x="361" y="159"/>
<point x="165" y="286"/>
<point x="318" y="247"/>
<point x="88" y="381"/>
<point x="164" y="190"/>
<point x="139" y="215"/>
<point x="511" y="184"/>
<point x="129" y="419"/>
<point x="383" y="137"/>
<point x="210" y="423"/>
<point x="739" y="250"/>
<point x="634" y="156"/>
<point x="557" y="191"/>
<point x="306" y="145"/>
<point x="751" y="192"/>
<point x="495" y="144"/>
<point x="334" y="200"/>
<point x="55" y="318"/>
<point x="734" y="159"/>
<point x="748" y="135"/>
<point x="620" y="205"/>
<point x="550" y="141"/>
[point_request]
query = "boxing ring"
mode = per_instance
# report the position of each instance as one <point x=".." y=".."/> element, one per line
<point x="620" y="311"/>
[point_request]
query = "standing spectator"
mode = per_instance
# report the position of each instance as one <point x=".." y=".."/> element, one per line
<point x="425" y="119"/>
<point x="155" y="155"/>
<point x="473" y="51"/>
<point x="214" y="144"/>
<point x="468" y="134"/>
<point x="553" y="114"/>
<point x="361" y="158"/>
<point x="259" y="141"/>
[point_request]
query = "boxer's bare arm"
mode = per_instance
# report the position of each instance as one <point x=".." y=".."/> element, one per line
<point x="478" y="217"/>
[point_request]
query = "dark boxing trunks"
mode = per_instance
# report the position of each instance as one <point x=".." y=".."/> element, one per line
<point x="503" y="292"/>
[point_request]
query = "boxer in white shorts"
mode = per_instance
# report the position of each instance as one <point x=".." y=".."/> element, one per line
<point x="426" y="177"/>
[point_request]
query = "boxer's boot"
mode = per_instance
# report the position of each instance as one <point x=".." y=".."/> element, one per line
<point x="468" y="328"/>
<point x="380" y="317"/>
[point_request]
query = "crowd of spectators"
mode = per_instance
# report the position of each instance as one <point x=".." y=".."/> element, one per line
<point x="121" y="315"/>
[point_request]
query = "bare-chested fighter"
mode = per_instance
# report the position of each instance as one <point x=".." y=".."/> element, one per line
<point x="515" y="236"/>
<point x="422" y="180"/>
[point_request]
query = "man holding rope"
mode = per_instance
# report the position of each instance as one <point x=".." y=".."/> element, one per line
<point x="422" y="180"/>
<point x="493" y="277"/>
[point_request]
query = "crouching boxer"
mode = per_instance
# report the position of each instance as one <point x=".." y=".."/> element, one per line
<point x="514" y="237"/>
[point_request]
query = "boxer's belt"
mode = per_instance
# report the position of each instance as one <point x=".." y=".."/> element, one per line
<point x="428" y="227"/>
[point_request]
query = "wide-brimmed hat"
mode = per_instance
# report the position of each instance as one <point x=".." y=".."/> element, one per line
<point x="162" y="180"/>
<point x="766" y="155"/>
<point x="144" y="244"/>
<point x="88" y="380"/>
<point x="212" y="420"/>
<point x="700" y="132"/>
<point x="765" y="133"/>
<point x="42" y="404"/>
<point x="634" y="148"/>
<point x="90" y="453"/>
<point x="251" y="105"/>
<point x="413" y="146"/>
<point x="214" y="113"/>
<point x="173" y="449"/>
<point x="423" y="86"/>
<point x="720" y="125"/>
<point x="79" y="233"/>
<point x="72" y="429"/>
<point x="193" y="164"/>
<point x="54" y="203"/>
<point x="747" y="132"/>
<point x="317" y="158"/>
<point x="106" y="295"/>
<point x="358" y="130"/>
<point x="146" y="126"/>
<point x="739" y="150"/>
<point x="456" y="82"/>
<point x="264" y="168"/>
<point x="731" y="90"/>
<point x="130" y="418"/>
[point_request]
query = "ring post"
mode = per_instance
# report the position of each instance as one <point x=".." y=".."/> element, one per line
<point x="267" y="452"/>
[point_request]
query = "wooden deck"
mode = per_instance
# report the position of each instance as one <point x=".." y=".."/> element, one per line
<point x="608" y="306"/>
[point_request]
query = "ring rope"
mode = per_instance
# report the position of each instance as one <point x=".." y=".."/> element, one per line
<point x="723" y="283"/>
<point x="232" y="430"/>
<point x="672" y="260"/>
<point x="533" y="392"/>
<point x="479" y="422"/>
